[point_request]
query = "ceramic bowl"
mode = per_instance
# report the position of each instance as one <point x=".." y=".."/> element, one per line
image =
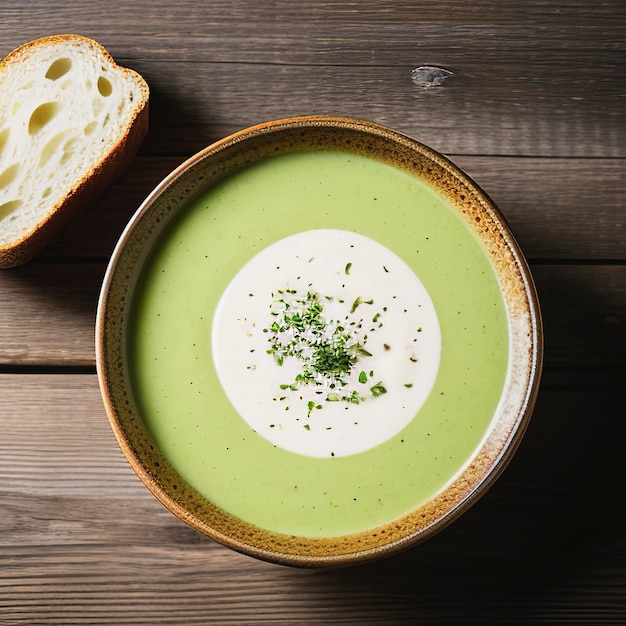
<point x="148" y="451"/>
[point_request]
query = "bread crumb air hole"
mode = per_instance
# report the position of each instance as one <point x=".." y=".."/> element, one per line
<point x="51" y="147"/>
<point x="68" y="150"/>
<point x="8" y="175"/>
<point x="9" y="207"/>
<point x="59" y="68"/>
<point x="4" y="135"/>
<point x="104" y="86"/>
<point x="41" y="116"/>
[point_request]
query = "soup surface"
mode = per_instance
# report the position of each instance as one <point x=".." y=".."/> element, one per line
<point x="329" y="433"/>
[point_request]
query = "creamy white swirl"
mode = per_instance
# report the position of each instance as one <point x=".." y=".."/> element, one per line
<point x="326" y="343"/>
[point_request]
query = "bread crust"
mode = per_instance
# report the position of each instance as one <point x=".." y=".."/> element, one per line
<point x="101" y="175"/>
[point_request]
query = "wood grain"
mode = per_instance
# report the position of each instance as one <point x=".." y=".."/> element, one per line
<point x="47" y="314"/>
<point x="540" y="81"/>
<point x="523" y="106"/>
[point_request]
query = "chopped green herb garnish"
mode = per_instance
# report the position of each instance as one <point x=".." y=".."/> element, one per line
<point x="359" y="349"/>
<point x="310" y="406"/>
<point x="332" y="360"/>
<point x="378" y="389"/>
<point x="354" y="398"/>
<point x="328" y="349"/>
<point x="347" y="268"/>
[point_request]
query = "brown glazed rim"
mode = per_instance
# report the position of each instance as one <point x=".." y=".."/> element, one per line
<point x="228" y="156"/>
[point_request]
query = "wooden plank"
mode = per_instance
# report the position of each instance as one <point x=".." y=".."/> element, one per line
<point x="65" y="444"/>
<point x="499" y="107"/>
<point x="340" y="32"/>
<point x="542" y="83"/>
<point x="47" y="314"/>
<point x="558" y="209"/>
<point x="584" y="311"/>
<point x="73" y="510"/>
<point x="584" y="308"/>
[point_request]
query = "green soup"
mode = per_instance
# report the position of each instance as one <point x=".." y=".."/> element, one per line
<point x="191" y="418"/>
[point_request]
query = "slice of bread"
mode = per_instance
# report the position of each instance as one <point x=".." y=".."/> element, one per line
<point x="71" y="120"/>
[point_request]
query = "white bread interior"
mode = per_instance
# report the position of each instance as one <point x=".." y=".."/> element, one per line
<point x="70" y="120"/>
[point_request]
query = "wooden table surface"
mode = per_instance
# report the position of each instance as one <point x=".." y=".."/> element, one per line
<point x="529" y="98"/>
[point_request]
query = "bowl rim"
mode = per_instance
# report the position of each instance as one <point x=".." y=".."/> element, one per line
<point x="506" y="442"/>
